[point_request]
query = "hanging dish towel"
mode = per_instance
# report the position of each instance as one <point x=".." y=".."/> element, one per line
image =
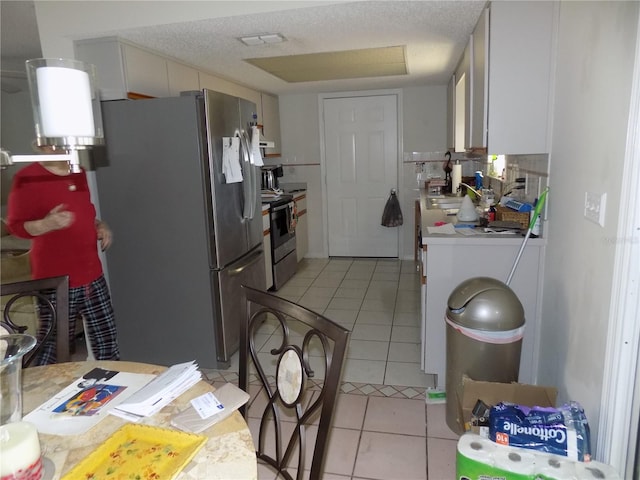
<point x="392" y="214"/>
<point x="231" y="159"/>
<point x="256" y="156"/>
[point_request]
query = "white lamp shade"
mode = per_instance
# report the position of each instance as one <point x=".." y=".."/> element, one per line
<point x="66" y="107"/>
<point x="65" y="102"/>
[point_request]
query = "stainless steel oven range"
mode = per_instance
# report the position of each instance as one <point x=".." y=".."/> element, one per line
<point x="283" y="239"/>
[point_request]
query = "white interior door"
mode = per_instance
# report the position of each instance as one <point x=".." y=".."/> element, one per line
<point x="361" y="155"/>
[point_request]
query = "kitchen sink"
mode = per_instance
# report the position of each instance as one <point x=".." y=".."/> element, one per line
<point x="445" y="203"/>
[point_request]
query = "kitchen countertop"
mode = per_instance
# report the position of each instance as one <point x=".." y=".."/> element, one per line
<point x="431" y="216"/>
<point x="297" y="194"/>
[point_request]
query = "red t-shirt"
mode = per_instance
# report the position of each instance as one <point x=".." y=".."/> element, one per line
<point x="72" y="251"/>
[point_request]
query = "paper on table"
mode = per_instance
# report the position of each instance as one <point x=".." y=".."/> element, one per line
<point x="86" y="401"/>
<point x="159" y="392"/>
<point x="230" y="396"/>
<point x="447" y="229"/>
<point x="467" y="231"/>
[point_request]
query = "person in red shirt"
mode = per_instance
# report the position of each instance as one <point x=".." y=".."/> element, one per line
<point x="52" y="206"/>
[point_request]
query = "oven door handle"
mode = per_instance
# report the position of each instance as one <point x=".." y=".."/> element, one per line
<point x="290" y="227"/>
<point x="280" y="207"/>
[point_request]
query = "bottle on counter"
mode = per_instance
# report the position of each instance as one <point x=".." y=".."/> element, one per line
<point x="491" y="214"/>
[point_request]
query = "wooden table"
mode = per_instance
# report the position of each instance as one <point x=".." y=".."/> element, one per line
<point x="228" y="454"/>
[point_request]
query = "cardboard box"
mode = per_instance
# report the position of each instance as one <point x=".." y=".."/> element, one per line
<point x="492" y="393"/>
<point x="506" y="214"/>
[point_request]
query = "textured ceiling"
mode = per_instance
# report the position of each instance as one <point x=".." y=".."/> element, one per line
<point x="434" y="34"/>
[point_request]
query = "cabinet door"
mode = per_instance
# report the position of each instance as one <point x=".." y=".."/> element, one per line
<point x="106" y="55"/>
<point x="521" y="39"/>
<point x="451" y="105"/>
<point x="271" y="123"/>
<point x="181" y="78"/>
<point x="463" y="82"/>
<point x="480" y="80"/>
<point x="146" y="73"/>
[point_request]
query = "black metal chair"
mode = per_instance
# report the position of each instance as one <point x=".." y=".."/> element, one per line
<point x="293" y="391"/>
<point x="40" y="289"/>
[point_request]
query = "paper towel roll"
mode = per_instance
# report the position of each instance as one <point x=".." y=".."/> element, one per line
<point x="518" y="462"/>
<point x="474" y="457"/>
<point x="475" y="447"/>
<point x="593" y="470"/>
<point x="456" y="177"/>
<point x="554" y="467"/>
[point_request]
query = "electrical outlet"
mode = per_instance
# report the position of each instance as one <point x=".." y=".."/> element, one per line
<point x="595" y="206"/>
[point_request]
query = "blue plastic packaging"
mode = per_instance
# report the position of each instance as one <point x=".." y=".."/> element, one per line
<point x="561" y="431"/>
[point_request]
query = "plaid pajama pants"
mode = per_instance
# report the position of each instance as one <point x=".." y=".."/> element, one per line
<point x="93" y="302"/>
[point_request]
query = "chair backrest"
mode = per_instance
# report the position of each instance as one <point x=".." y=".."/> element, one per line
<point x="40" y="289"/>
<point x="299" y="378"/>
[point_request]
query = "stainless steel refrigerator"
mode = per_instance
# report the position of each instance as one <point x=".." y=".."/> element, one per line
<point x="184" y="240"/>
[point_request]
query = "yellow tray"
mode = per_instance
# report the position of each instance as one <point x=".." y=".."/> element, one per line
<point x="141" y="452"/>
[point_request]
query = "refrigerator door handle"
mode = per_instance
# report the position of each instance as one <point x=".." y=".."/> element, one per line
<point x="250" y="261"/>
<point x="254" y="185"/>
<point x="248" y="181"/>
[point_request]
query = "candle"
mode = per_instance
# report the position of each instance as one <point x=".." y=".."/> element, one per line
<point x="20" y="452"/>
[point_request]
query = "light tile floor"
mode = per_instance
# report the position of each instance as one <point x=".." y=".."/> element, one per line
<point x="383" y="429"/>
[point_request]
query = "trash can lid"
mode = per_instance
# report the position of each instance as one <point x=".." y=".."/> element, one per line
<point x="485" y="303"/>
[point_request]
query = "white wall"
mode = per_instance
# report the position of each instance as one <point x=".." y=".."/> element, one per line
<point x="593" y="85"/>
<point x="424" y="126"/>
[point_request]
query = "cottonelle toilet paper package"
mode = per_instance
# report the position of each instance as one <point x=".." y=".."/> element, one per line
<point x="479" y="458"/>
<point x="562" y="431"/>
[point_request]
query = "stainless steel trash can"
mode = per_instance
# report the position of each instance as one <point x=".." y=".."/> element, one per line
<point x="485" y="325"/>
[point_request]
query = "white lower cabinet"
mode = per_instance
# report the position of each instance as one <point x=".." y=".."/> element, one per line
<point x="449" y="263"/>
<point x="302" y="227"/>
<point x="266" y="243"/>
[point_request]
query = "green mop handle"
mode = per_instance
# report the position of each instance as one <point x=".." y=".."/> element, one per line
<point x="538" y="208"/>
<point x="536" y="213"/>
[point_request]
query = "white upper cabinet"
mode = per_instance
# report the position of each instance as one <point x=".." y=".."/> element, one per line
<point x="462" y="100"/>
<point x="106" y="55"/>
<point x="122" y="69"/>
<point x="182" y="78"/>
<point x="451" y="105"/>
<point x="145" y="72"/>
<point x="480" y="76"/>
<point x="521" y="50"/>
<point x="269" y="117"/>
<point x="507" y="68"/>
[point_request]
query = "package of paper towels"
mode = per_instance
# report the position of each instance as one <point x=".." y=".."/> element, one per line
<point x="478" y="458"/>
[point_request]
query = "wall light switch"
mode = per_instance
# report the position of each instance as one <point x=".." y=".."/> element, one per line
<point x="595" y="206"/>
